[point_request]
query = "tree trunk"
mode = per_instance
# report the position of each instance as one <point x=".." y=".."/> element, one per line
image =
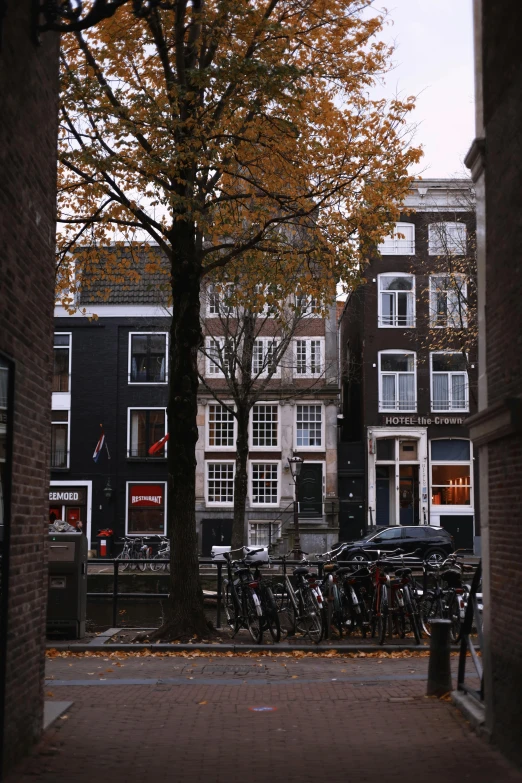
<point x="185" y="615"/>
<point x="240" y="479"/>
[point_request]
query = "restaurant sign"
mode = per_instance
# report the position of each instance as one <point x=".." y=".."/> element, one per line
<point x="150" y="495"/>
<point x="421" y="421"/>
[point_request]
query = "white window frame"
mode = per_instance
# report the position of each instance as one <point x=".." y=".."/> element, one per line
<point x="129" y="364"/>
<point x="450" y="374"/>
<point x="251" y="427"/>
<point x="266" y="341"/>
<point x="214" y="503"/>
<point x="210" y="446"/>
<point x="254" y="504"/>
<point x="66" y="410"/>
<point x="397" y="407"/>
<point x="412" y="293"/>
<point x="448" y="508"/>
<point x="165" y="501"/>
<point x="129" y="416"/>
<point x="322" y="447"/>
<point x="224" y="311"/>
<point x="69" y="348"/>
<point x="308" y="350"/>
<point x="435" y="244"/>
<point x="450" y="324"/>
<point x="310" y="307"/>
<point x="254" y="526"/>
<point x="391" y="245"/>
<point x="213" y="370"/>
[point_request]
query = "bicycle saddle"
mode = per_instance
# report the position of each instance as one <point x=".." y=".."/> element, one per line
<point x="300" y="570"/>
<point x="403" y="571"/>
<point x="331" y="567"/>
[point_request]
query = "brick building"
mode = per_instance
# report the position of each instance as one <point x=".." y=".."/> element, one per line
<point x="113" y="370"/>
<point x="405" y="456"/>
<point x="495" y="160"/>
<point x="28" y="134"/>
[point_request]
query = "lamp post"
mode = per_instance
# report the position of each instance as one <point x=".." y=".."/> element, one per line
<point x="296" y="463"/>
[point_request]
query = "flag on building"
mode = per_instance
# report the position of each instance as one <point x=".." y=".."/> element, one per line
<point x="99" y="447"/>
<point x="158" y="445"/>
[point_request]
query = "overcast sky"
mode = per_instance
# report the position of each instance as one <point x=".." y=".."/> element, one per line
<point x="434" y="60"/>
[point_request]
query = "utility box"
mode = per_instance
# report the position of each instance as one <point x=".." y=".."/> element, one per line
<point x="67" y="593"/>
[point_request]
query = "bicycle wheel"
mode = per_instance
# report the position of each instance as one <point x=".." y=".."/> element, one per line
<point x="412" y="617"/>
<point x="254" y="616"/>
<point x="271" y="615"/>
<point x="229" y="606"/>
<point x="382" y="619"/>
<point x="284" y="607"/>
<point x="453" y="614"/>
<point x="124" y="557"/>
<point x="157" y="566"/>
<point x="142" y="565"/>
<point x="429" y="610"/>
<point x="308" y="619"/>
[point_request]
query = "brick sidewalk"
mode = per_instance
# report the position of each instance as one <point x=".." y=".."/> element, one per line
<point x="190" y="719"/>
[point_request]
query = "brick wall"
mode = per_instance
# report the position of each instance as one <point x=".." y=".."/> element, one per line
<point x="28" y="132"/>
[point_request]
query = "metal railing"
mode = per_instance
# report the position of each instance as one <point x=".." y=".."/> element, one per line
<point x="472" y="618"/>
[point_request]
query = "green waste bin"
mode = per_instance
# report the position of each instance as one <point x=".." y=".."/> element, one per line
<point x="67" y="586"/>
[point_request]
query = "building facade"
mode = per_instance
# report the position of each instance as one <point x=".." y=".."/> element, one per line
<point x="111" y="375"/>
<point x="408" y="384"/>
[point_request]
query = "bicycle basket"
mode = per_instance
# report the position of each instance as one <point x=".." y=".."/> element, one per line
<point x="452" y="577"/>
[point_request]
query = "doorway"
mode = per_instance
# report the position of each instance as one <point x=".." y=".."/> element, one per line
<point x="310" y="490"/>
<point x="409" y="494"/>
<point x="215" y="532"/>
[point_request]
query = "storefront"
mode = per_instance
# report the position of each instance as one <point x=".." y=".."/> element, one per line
<point x="72" y="502"/>
<point x="146" y="508"/>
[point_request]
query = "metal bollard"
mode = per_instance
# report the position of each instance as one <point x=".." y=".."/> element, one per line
<point x="439" y="667"/>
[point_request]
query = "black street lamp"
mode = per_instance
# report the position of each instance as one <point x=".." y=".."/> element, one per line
<point x="296" y="463"/>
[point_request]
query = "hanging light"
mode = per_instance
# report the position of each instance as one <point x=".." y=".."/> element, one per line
<point x="296" y="463"/>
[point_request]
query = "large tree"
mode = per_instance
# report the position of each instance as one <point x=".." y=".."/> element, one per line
<point x="221" y="131"/>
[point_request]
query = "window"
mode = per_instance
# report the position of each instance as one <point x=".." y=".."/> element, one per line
<point x="390" y="534"/>
<point x="418" y="532"/>
<point x="147" y="357"/>
<point x="397" y="381"/>
<point x="265" y="484"/>
<point x="309" y="430"/>
<point x="447" y="238"/>
<point x="448" y="301"/>
<point x="146" y="427"/>
<point x="220" y="482"/>
<point x="263" y="533"/>
<point x="61" y="363"/>
<point x="217" y="295"/>
<point x="146" y="506"/>
<point x="449" y="382"/>
<point x="307" y="304"/>
<point x="386" y="449"/>
<point x="451" y="472"/>
<point x="220" y="427"/>
<point x="308" y="358"/>
<point x="60" y="439"/>
<point x="264" y="356"/>
<point x="396" y="300"/>
<point x="265" y="419"/>
<point x="220" y="358"/>
<point x="395" y="245"/>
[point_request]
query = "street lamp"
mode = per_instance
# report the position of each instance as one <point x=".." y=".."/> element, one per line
<point x="296" y="463"/>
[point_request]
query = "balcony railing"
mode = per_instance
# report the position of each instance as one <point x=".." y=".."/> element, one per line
<point x="408" y="406"/>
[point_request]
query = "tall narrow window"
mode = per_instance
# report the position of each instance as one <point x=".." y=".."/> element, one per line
<point x="451" y="472"/>
<point x="401" y="242"/>
<point x="61" y="363"/>
<point x="308" y="358"/>
<point x="396" y="300"/>
<point x="148" y="358"/>
<point x="218" y="299"/>
<point x="397" y="382"/>
<point x="220" y="426"/>
<point x="60" y="439"/>
<point x="309" y="426"/>
<point x="448" y="301"/>
<point x="220" y="356"/>
<point x="146" y="427"/>
<point x="447" y="239"/>
<point x="220" y="482"/>
<point x="265" y="484"/>
<point x="264" y="357"/>
<point x="449" y="382"/>
<point x="307" y="304"/>
<point x="264" y="426"/>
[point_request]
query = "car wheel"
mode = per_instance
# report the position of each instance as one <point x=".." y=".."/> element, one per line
<point x="435" y="556"/>
<point x="358" y="557"/>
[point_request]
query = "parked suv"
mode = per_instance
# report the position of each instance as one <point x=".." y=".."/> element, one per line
<point x="430" y="543"/>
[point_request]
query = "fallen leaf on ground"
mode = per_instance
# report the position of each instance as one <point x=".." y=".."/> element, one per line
<point x="50" y="694"/>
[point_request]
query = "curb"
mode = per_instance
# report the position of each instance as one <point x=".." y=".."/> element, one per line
<point x="238" y="648"/>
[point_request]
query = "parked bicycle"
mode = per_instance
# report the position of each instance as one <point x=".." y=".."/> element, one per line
<point x="444" y="594"/>
<point x="301" y="601"/>
<point x="248" y="598"/>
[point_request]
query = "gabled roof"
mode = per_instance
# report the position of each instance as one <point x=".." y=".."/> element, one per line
<point x="124" y="274"/>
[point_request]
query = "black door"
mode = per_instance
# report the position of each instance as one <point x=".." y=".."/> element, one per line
<point x="352" y="524"/>
<point x="310" y="494"/>
<point x="461" y="528"/>
<point x="215" y="532"/>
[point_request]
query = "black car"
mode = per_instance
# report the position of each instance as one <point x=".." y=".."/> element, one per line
<point x="430" y="543"/>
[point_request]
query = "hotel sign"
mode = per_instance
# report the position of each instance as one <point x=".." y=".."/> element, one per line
<point x="421" y="421"/>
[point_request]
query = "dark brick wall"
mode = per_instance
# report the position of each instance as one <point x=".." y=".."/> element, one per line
<point x="28" y="132"/>
<point x="502" y="88"/>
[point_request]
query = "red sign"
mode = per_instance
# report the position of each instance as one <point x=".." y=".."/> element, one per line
<point x="147" y="495"/>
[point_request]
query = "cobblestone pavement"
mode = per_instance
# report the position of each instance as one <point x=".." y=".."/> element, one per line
<point x="256" y="719"/>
